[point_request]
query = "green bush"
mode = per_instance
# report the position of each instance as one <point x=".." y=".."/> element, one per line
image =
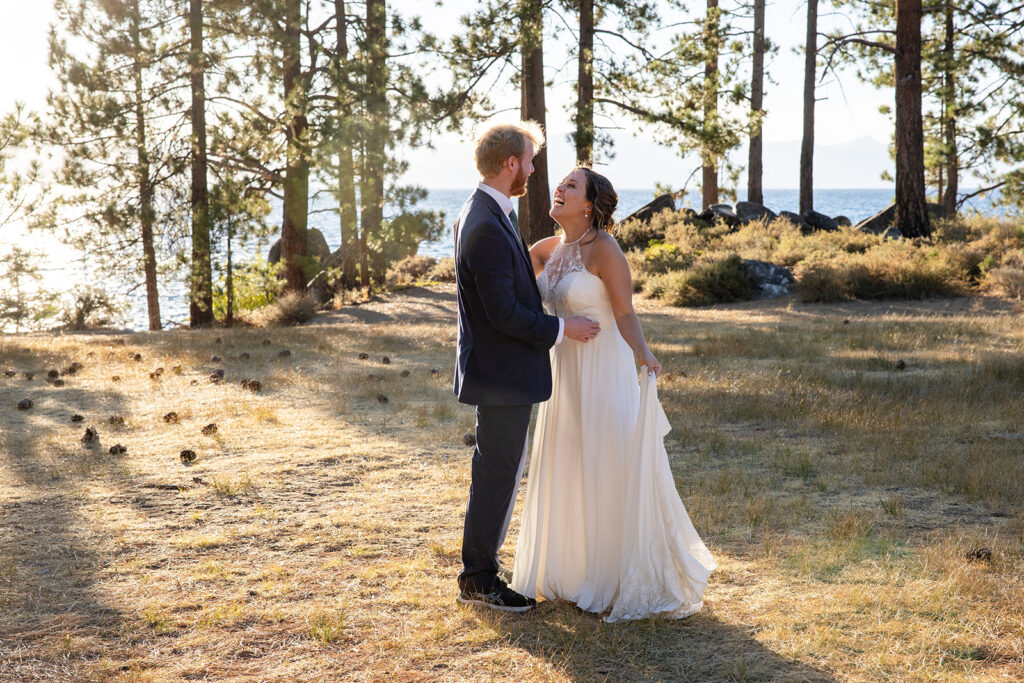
<point x="710" y="282"/>
<point x="635" y="234"/>
<point x="660" y="257"/>
<point x="256" y="285"/>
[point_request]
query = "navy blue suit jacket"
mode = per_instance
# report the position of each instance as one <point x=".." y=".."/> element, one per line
<point x="504" y="334"/>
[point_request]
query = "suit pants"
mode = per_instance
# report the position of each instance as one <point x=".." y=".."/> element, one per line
<point x="498" y="463"/>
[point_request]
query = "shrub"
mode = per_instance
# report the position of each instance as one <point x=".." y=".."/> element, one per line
<point x="293" y="308"/>
<point x="1007" y="280"/>
<point x="634" y="234"/>
<point x="820" y="282"/>
<point x="660" y="257"/>
<point x="710" y="282"/>
<point x="90" y="307"/>
<point x="256" y="285"/>
<point x="831" y="266"/>
<point x="890" y="271"/>
<point x="410" y="269"/>
<point x="695" y="237"/>
<point x="443" y="270"/>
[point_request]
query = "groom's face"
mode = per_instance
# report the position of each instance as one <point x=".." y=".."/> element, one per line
<point x="524" y="167"/>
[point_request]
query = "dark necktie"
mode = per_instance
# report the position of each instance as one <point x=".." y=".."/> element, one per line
<point x="515" y="224"/>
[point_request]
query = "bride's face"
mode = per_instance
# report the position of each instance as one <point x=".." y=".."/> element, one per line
<point x="570" y="199"/>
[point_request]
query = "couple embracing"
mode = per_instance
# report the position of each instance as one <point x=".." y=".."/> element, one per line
<point x="603" y="526"/>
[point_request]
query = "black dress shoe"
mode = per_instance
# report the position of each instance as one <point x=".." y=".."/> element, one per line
<point x="500" y="597"/>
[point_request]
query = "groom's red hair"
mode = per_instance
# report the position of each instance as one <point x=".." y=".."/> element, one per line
<point x="499" y="142"/>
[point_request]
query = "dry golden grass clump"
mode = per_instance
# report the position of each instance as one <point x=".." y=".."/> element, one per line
<point x="410" y="269"/>
<point x="867" y="519"/>
<point x="1007" y="280"/>
<point x="292" y="308"/>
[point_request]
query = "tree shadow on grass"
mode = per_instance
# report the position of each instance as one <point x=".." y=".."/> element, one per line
<point x="49" y="566"/>
<point x="699" y="648"/>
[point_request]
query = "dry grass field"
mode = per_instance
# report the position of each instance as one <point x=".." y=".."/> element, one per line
<point x="857" y="469"/>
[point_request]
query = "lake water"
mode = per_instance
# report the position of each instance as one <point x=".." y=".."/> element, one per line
<point x="64" y="267"/>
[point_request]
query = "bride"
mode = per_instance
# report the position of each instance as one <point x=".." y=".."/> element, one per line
<point x="603" y="525"/>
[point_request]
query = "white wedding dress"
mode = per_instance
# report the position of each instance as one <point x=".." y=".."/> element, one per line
<point x="603" y="525"/>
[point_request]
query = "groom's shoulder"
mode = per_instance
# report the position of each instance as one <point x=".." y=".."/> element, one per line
<point x="477" y="211"/>
<point x="480" y="203"/>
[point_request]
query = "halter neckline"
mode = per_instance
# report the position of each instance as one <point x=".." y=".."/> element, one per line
<point x="577" y="240"/>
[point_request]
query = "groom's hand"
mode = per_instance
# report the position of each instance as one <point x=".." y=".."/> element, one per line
<point x="580" y="328"/>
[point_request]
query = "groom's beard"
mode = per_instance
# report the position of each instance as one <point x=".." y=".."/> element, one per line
<point x="519" y="184"/>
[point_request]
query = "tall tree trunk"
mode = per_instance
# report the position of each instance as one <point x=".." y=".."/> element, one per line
<point x="347" y="210"/>
<point x="949" y="95"/>
<point x="754" y="167"/>
<point x="147" y="214"/>
<point x="375" y="144"/>
<point x="585" y="85"/>
<point x="911" y="211"/>
<point x="709" y="156"/>
<point x="201" y="286"/>
<point x="534" y="221"/>
<point x="807" y="145"/>
<point x="229" y="280"/>
<point x="296" y="181"/>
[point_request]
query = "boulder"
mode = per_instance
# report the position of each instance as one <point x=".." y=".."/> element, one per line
<point x="720" y="212"/>
<point x="877" y="224"/>
<point x="651" y="209"/>
<point x="797" y="220"/>
<point x="819" y="221"/>
<point x="753" y="211"/>
<point x="316" y="245"/>
<point x="843" y="221"/>
<point x="323" y="286"/>
<point x="770" y="280"/>
<point x="891" y="233"/>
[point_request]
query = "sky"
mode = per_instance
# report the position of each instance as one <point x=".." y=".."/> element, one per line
<point x="851" y="135"/>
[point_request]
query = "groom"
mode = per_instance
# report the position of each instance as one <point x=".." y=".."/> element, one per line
<point x="503" y="366"/>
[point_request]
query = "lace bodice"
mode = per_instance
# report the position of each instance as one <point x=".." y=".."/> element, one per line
<point x="568" y="288"/>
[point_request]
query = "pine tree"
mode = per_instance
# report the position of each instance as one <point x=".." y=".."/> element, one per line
<point x="754" y="157"/>
<point x="810" y="76"/>
<point x="911" y="213"/>
<point x="109" y="115"/>
<point x="534" y="220"/>
<point x="971" y="72"/>
<point x="584" y="114"/>
<point x="201" y="283"/>
<point x="22" y="191"/>
<point x="342" y="143"/>
<point x="23" y="302"/>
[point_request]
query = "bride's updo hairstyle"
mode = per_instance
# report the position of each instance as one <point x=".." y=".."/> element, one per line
<point x="602" y="195"/>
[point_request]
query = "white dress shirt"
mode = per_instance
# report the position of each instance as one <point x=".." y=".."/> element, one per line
<point x="505" y="204"/>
